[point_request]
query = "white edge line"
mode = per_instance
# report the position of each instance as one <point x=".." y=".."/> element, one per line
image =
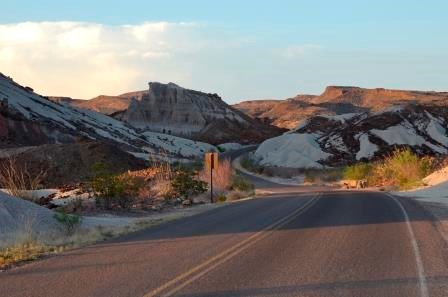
<point x="418" y="259"/>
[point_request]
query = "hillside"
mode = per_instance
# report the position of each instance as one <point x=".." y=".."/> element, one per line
<point x="104" y="104"/>
<point x="169" y="108"/>
<point x="71" y="163"/>
<point x="334" y="100"/>
<point x="23" y="111"/>
<point x="344" y="139"/>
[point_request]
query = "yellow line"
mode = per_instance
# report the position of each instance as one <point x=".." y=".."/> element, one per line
<point x="228" y="254"/>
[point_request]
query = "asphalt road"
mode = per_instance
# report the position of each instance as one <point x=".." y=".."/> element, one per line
<point x="292" y="243"/>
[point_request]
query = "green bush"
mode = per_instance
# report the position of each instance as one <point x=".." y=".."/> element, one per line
<point x="404" y="169"/>
<point x="250" y="165"/>
<point x="186" y="184"/>
<point x="357" y="171"/>
<point x="241" y="184"/>
<point x="69" y="221"/>
<point x="111" y="189"/>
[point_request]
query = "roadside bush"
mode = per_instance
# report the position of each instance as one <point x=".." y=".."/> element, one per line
<point x="113" y="189"/>
<point x="310" y="176"/>
<point x="186" y="184"/>
<point x="357" y="171"/>
<point x="403" y="169"/>
<point x="332" y="174"/>
<point x="222" y="176"/>
<point x="250" y="165"/>
<point x="241" y="184"/>
<point x="17" y="179"/>
<point x="221" y="198"/>
<point x="69" y="221"/>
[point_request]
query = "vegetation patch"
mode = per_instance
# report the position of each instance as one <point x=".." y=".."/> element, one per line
<point x="251" y="165"/>
<point x="401" y="170"/>
<point x="23" y="252"/>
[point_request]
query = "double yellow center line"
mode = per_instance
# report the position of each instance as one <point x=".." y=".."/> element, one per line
<point x="186" y="278"/>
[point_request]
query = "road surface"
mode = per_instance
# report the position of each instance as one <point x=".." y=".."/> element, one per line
<point x="291" y="243"/>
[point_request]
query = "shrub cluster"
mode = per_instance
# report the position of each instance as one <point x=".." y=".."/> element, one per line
<point x="186" y="184"/>
<point x="69" y="221"/>
<point x="402" y="169"/>
<point x="113" y="190"/>
<point x="250" y="165"/>
<point x="241" y="184"/>
<point x="222" y="176"/>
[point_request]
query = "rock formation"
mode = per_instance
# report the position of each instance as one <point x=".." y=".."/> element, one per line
<point x="348" y="138"/>
<point x="169" y="108"/>
<point x="335" y="100"/>
<point x="28" y="119"/>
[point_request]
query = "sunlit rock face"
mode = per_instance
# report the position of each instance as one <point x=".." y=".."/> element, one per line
<point x="169" y="108"/>
<point x="339" y="140"/>
<point x="28" y="119"/>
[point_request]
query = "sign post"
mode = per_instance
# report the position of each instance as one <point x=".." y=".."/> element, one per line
<point x="211" y="162"/>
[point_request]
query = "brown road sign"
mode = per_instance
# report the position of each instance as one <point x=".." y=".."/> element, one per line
<point x="211" y="161"/>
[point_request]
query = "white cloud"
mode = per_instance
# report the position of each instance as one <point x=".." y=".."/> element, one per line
<point x="84" y="59"/>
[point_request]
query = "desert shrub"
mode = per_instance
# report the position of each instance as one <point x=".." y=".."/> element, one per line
<point x="332" y="174"/>
<point x="310" y="176"/>
<point x="17" y="179"/>
<point x="403" y="169"/>
<point x="186" y="184"/>
<point x="357" y="171"/>
<point x="69" y="221"/>
<point x="250" y="165"/>
<point x="221" y="198"/>
<point x="110" y="188"/>
<point x="222" y="176"/>
<point x="241" y="184"/>
<point x="236" y="195"/>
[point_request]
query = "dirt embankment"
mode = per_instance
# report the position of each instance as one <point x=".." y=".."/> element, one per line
<point x="66" y="164"/>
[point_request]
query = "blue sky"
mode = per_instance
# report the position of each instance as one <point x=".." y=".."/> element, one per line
<point x="239" y="49"/>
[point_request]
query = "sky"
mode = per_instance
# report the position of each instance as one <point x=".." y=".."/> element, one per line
<point x="238" y="49"/>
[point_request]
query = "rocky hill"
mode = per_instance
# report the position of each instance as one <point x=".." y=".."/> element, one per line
<point x="335" y="100"/>
<point x="169" y="108"/>
<point x="344" y="139"/>
<point x="28" y="119"/>
<point x="104" y="104"/>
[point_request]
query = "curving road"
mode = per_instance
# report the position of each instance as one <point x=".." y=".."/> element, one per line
<point x="291" y="243"/>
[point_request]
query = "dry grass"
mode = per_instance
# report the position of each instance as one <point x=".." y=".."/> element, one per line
<point x="17" y="179"/>
<point x="23" y="252"/>
<point x="164" y="172"/>
<point x="222" y="176"/>
<point x="161" y="182"/>
<point x="29" y="248"/>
